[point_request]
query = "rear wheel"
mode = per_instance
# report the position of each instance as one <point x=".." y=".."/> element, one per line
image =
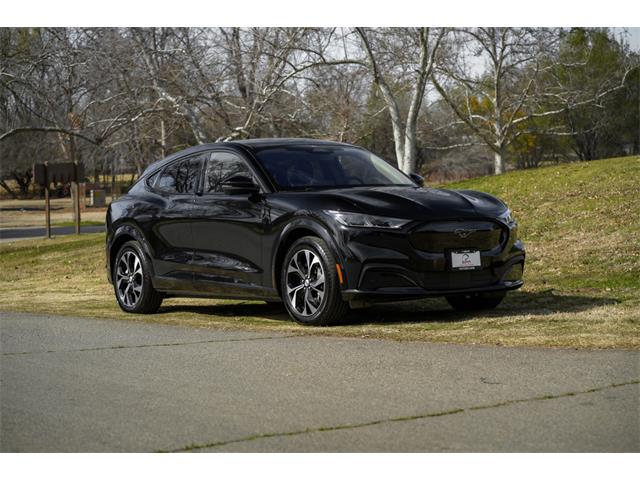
<point x="475" y="301"/>
<point x="309" y="283"/>
<point x="132" y="281"/>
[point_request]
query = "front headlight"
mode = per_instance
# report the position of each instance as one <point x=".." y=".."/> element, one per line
<point x="350" y="219"/>
<point x="507" y="217"/>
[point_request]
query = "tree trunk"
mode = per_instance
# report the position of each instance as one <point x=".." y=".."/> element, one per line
<point x="23" y="180"/>
<point x="4" y="185"/>
<point x="408" y="162"/>
<point x="163" y="139"/>
<point x="498" y="161"/>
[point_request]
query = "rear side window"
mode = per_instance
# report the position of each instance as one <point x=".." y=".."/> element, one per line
<point x="220" y="167"/>
<point x="180" y="177"/>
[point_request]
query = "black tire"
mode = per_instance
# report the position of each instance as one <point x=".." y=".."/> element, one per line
<point x="475" y="301"/>
<point x="331" y="307"/>
<point x="149" y="299"/>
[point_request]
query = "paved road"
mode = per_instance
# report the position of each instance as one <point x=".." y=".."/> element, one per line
<point x="74" y="384"/>
<point x="13" y="234"/>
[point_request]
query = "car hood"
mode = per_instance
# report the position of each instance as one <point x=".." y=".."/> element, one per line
<point x="415" y="203"/>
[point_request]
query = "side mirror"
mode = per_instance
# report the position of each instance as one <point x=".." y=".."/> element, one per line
<point x="417" y="178"/>
<point x="240" y="185"/>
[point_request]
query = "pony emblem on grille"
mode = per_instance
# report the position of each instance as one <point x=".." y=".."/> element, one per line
<point x="463" y="232"/>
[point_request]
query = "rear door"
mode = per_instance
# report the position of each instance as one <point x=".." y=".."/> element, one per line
<point x="176" y="186"/>
<point x="228" y="231"/>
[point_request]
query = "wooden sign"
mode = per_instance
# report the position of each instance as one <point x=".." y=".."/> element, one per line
<point x="45" y="173"/>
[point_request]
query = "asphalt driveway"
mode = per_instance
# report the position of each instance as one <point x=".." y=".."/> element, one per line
<point x="77" y="384"/>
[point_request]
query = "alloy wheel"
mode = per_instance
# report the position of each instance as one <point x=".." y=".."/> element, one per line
<point x="305" y="282"/>
<point x="129" y="278"/>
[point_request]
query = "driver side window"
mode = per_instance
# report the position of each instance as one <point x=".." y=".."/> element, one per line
<point x="220" y="167"/>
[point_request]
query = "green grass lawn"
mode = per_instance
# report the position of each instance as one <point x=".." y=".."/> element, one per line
<point x="580" y="223"/>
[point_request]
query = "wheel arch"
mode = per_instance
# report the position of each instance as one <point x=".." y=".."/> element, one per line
<point x="123" y="234"/>
<point x="297" y="229"/>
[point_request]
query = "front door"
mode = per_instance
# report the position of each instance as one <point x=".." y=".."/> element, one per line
<point x="227" y="232"/>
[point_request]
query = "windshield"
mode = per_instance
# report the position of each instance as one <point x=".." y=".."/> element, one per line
<point x="316" y="167"/>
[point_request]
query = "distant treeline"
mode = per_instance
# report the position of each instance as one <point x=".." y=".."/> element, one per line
<point x="446" y="102"/>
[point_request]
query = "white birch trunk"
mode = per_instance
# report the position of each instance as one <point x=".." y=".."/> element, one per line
<point x="398" y="142"/>
<point x="404" y="133"/>
<point x="163" y="139"/>
<point x="498" y="162"/>
<point x="408" y="164"/>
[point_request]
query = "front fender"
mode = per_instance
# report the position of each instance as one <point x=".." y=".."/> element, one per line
<point x="297" y="225"/>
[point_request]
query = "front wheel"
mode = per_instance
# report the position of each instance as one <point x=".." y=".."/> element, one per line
<point x="475" y="301"/>
<point x="309" y="283"/>
<point x="132" y="281"/>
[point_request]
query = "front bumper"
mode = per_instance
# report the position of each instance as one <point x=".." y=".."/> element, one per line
<point x="392" y="294"/>
<point x="385" y="266"/>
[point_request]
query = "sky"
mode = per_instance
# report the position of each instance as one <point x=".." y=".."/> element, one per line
<point x="633" y="37"/>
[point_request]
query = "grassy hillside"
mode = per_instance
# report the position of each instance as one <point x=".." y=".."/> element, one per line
<point x="580" y="223"/>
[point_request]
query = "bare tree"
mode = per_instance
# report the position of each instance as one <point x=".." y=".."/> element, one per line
<point x="382" y="49"/>
<point x="489" y="98"/>
<point x="225" y="81"/>
<point x="58" y="82"/>
<point x="496" y="101"/>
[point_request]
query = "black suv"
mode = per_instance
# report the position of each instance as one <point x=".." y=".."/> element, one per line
<point x="317" y="225"/>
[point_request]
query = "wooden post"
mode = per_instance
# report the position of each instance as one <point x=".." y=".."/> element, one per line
<point x="76" y="197"/>
<point x="113" y="178"/>
<point x="47" y="203"/>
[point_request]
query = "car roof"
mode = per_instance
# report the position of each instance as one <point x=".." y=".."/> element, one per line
<point x="253" y="144"/>
<point x="258" y="143"/>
